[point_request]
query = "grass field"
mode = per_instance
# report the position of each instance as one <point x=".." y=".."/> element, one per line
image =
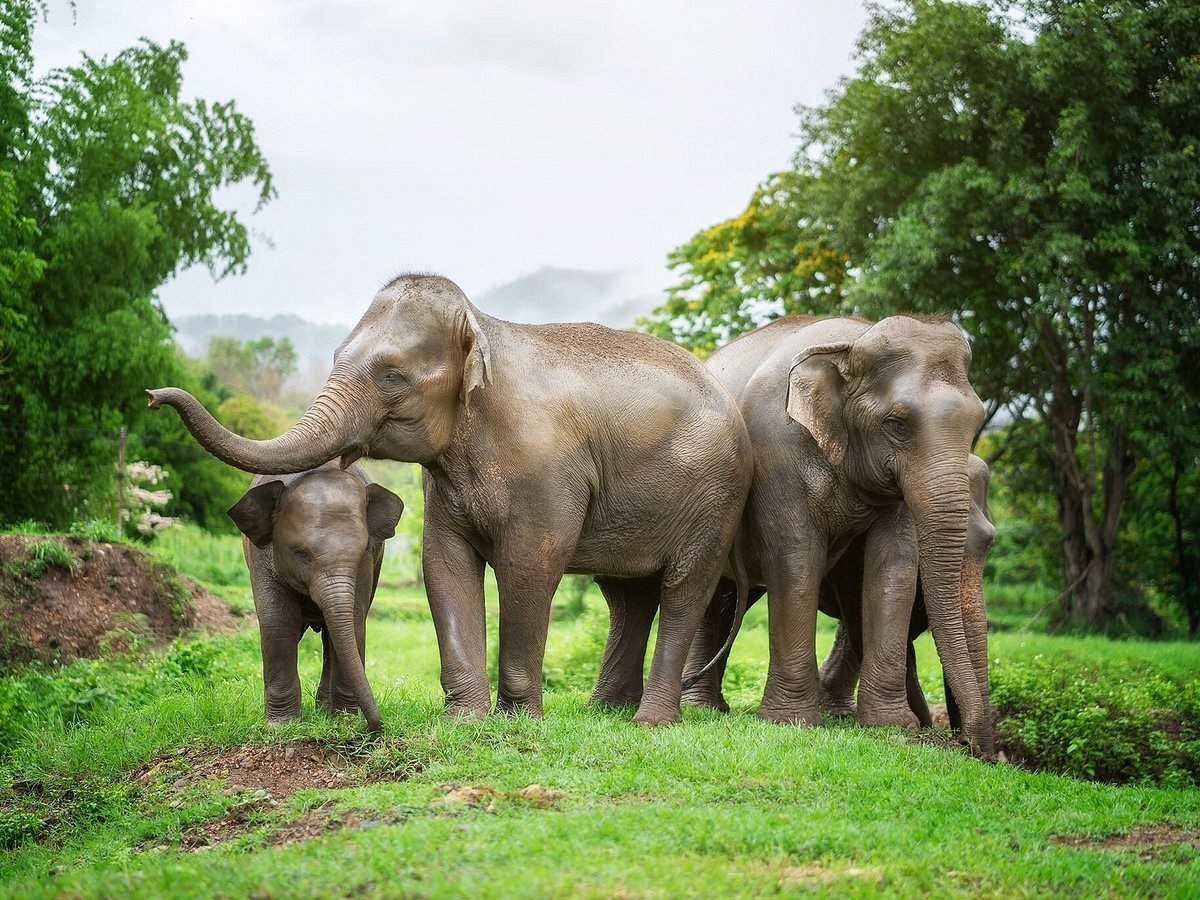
<point x="717" y="806"/>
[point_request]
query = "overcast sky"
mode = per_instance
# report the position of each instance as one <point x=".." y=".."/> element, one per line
<point x="481" y="140"/>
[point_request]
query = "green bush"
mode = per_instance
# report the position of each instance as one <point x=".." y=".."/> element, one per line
<point x="47" y="697"/>
<point x="1098" y="723"/>
<point x="103" y="530"/>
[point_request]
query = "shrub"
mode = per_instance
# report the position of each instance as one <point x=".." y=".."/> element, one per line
<point x="40" y="556"/>
<point x="95" y="529"/>
<point x="1098" y="723"/>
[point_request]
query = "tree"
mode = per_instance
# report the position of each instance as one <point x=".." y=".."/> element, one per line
<point x="114" y="178"/>
<point x="257" y="366"/>
<point x="1029" y="168"/>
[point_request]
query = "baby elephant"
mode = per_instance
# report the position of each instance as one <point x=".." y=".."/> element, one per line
<point x="314" y="545"/>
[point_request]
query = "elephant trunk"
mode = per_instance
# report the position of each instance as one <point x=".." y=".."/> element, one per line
<point x="942" y="505"/>
<point x="334" y="593"/>
<point x="329" y="428"/>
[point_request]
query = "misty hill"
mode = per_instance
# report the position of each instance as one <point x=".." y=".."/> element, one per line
<point x="567" y="295"/>
<point x="547" y="295"/>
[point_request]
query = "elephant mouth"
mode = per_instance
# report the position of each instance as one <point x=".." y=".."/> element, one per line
<point x="353" y="454"/>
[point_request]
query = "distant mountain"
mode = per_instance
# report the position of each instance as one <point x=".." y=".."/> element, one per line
<point x="567" y="295"/>
<point x="547" y="295"/>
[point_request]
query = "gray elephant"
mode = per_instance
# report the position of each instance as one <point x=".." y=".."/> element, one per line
<point x="546" y="449"/>
<point x="885" y="575"/>
<point x="314" y="545"/>
<point x="851" y="422"/>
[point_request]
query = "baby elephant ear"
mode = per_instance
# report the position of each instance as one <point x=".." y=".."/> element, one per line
<point x="816" y="392"/>
<point x="254" y="514"/>
<point x="477" y="355"/>
<point x="383" y="512"/>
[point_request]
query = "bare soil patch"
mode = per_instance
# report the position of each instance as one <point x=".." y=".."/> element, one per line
<point x="112" y="596"/>
<point x="1148" y="842"/>
<point x="279" y="770"/>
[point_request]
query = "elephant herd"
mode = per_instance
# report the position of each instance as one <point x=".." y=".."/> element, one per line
<point x="824" y="462"/>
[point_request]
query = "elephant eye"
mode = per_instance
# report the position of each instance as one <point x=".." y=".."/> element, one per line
<point x="303" y="557"/>
<point x="393" y="379"/>
<point x="896" y="427"/>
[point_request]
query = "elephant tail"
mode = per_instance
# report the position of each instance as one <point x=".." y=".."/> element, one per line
<point x="742" y="582"/>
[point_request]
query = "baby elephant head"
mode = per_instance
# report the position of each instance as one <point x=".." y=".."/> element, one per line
<point x="323" y="529"/>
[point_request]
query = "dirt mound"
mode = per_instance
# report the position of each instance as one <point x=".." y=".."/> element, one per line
<point x="65" y="597"/>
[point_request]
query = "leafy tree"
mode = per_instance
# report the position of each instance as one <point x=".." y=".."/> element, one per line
<point x="1029" y="167"/>
<point x="257" y="366"/>
<point x="771" y="260"/>
<point x="113" y="178"/>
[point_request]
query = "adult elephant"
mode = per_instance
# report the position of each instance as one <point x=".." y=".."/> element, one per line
<point x="852" y="422"/>
<point x="872" y="596"/>
<point x="546" y="448"/>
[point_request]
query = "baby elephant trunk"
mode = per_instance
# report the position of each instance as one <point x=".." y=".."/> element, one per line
<point x="335" y="595"/>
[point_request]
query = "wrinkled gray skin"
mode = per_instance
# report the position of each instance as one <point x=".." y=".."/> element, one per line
<point x="890" y="677"/>
<point x="314" y="544"/>
<point x="547" y="449"/>
<point x="851" y="421"/>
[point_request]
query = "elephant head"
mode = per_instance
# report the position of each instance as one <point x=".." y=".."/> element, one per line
<point x="398" y="385"/>
<point x="319" y="529"/>
<point x="894" y="412"/>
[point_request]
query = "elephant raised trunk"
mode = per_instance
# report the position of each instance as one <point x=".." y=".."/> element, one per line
<point x="335" y="593"/>
<point x="941" y="504"/>
<point x="326" y="430"/>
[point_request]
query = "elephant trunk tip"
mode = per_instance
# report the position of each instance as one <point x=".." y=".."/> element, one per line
<point x="156" y="397"/>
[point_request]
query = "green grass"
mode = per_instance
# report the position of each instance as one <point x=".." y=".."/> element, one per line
<point x="718" y="805"/>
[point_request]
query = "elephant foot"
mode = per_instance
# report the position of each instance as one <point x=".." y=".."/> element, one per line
<point x="790" y="706"/>
<point x="507" y="706"/>
<point x="890" y="716"/>
<point x="465" y="711"/>
<point x="615" y="696"/>
<point x="654" y="717"/>
<point x="706" y="698"/>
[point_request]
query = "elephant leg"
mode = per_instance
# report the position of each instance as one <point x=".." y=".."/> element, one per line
<point x="889" y="593"/>
<point x="839" y="673"/>
<point x="280" y="628"/>
<point x="632" y="605"/>
<point x="683" y="601"/>
<point x="841" y="597"/>
<point x="525" y="600"/>
<point x="453" y="573"/>
<point x="793" y="690"/>
<point x="710" y="636"/>
<point x="913" y="691"/>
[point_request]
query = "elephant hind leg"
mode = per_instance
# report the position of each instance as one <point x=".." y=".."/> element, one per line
<point x="839" y="673"/>
<point x="684" y="597"/>
<point x="916" y="696"/>
<point x="632" y="605"/>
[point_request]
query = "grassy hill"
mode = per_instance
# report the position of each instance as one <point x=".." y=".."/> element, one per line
<point x="151" y="774"/>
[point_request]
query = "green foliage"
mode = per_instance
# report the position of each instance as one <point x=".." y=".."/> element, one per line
<point x="1100" y="723"/>
<point x="101" y="530"/>
<point x="109" y="188"/>
<point x="771" y="260"/>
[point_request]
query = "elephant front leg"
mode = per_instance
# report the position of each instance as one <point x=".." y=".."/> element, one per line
<point x="280" y="628"/>
<point x="889" y="592"/>
<point x="453" y="573"/>
<point x="632" y="605"/>
<point x="525" y="598"/>
<point x="793" y="691"/>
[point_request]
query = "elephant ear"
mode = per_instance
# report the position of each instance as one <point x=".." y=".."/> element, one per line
<point x="477" y="355"/>
<point x="383" y="512"/>
<point x="816" y="392"/>
<point x="255" y="513"/>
